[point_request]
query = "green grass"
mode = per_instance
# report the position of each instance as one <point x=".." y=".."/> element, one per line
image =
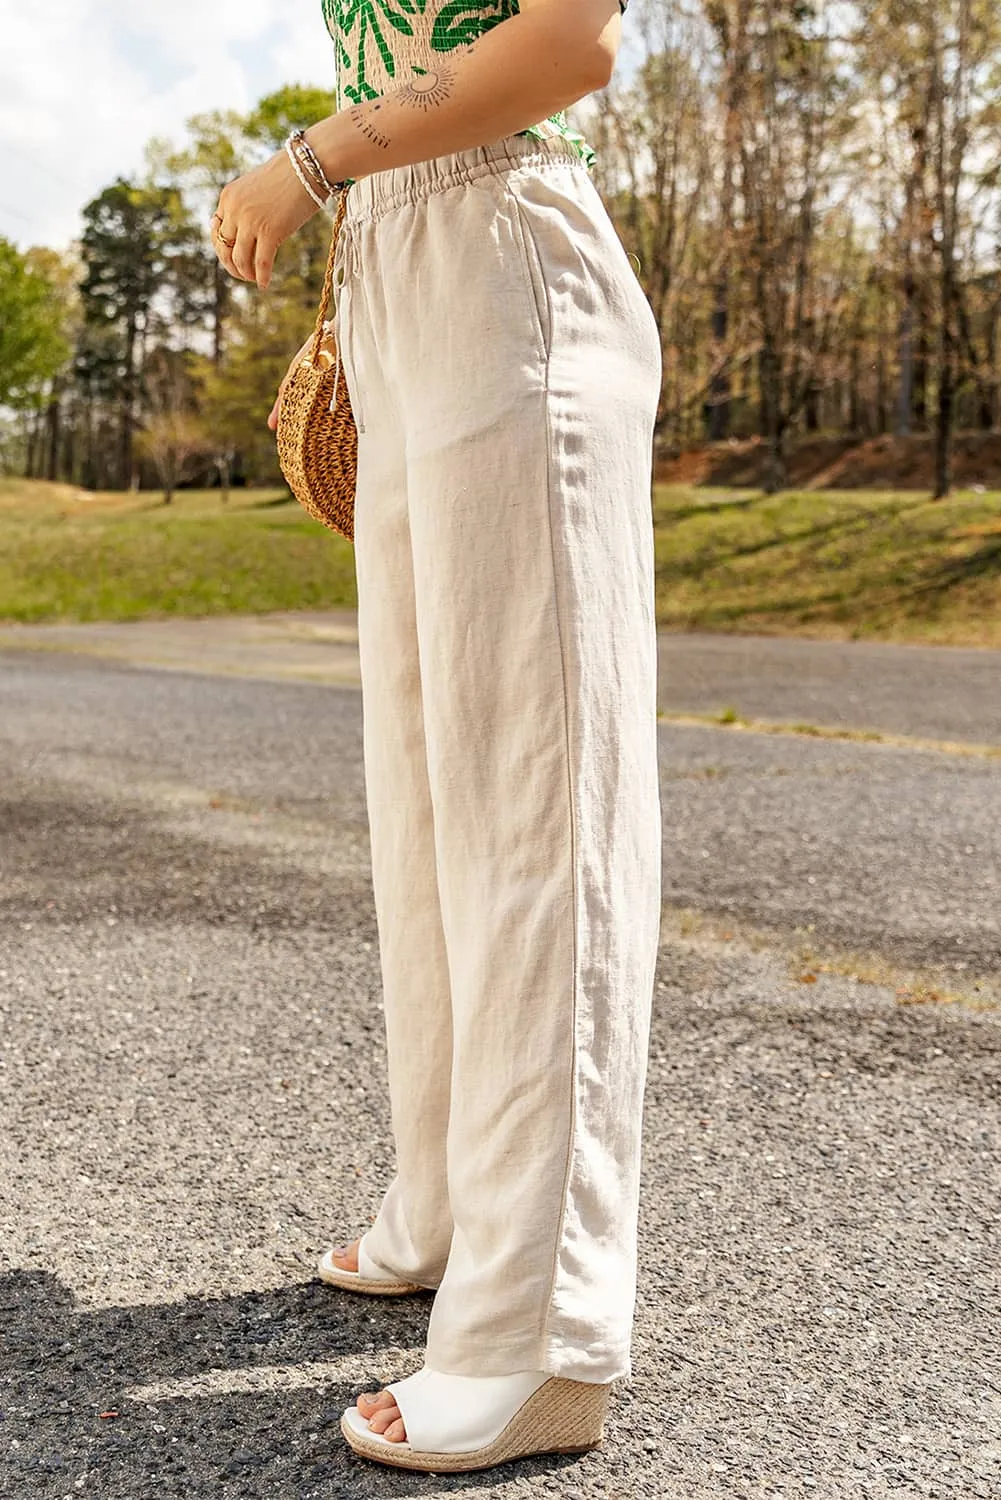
<point x="821" y="563"/>
<point x="836" y="564"/>
<point x="118" y="557"/>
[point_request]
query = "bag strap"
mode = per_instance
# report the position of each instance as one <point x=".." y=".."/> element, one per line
<point x="328" y="279"/>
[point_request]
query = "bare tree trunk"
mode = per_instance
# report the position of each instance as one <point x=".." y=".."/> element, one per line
<point x="773" y="422"/>
<point x="52" y="432"/>
<point x="88" y="468"/>
<point x="854" y="378"/>
<point x="224" y="466"/>
<point x="944" y="421"/>
<point x="974" y="364"/>
<point x="719" y="389"/>
<point x="910" y="228"/>
<point x="734" y="44"/>
<point x="922" y="361"/>
<point x="69" y="453"/>
<point x="992" y="363"/>
<point x="882" y="379"/>
<point x="218" y="294"/>
<point x="949" y="112"/>
<point x="905" y="358"/>
<point x="127" y="412"/>
<point x="29" y="446"/>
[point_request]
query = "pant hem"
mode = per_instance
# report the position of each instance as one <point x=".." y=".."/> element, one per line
<point x="591" y="1365"/>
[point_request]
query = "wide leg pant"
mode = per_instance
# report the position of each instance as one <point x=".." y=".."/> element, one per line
<point x="504" y="369"/>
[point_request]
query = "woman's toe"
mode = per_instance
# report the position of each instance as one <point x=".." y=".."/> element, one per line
<point x="384" y="1418"/>
<point x="369" y="1402"/>
<point x="346" y="1256"/>
<point x="380" y="1411"/>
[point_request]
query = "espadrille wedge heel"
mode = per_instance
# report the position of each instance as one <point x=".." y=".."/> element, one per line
<point x="456" y="1423"/>
<point x="369" y="1278"/>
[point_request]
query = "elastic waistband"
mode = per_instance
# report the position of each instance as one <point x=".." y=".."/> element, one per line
<point x="371" y="196"/>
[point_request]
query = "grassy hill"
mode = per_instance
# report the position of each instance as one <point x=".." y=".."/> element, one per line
<point x="836" y="564"/>
<point x="840" y="564"/>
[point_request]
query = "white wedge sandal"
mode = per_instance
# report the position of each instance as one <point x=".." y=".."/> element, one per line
<point x="457" y="1423"/>
<point x="369" y="1278"/>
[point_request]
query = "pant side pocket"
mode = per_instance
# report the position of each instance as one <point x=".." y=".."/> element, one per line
<point x="531" y="259"/>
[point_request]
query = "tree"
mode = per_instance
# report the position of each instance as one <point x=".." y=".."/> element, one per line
<point x="33" y="344"/>
<point x="217" y="151"/>
<point x="45" y="442"/>
<point x="136" y="245"/>
<point x="653" y="142"/>
<point x="730" y="21"/>
<point x="959" y="34"/>
<point x="172" y="434"/>
<point x="793" y="116"/>
<point x="270" y="121"/>
<point x="810" y="191"/>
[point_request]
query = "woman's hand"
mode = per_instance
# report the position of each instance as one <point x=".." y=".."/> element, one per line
<point x="258" y="212"/>
<point x="273" y="416"/>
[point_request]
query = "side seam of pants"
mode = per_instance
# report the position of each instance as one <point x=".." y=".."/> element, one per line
<point x="510" y="370"/>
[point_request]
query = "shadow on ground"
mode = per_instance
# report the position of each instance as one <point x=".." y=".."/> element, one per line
<point x="70" y="1427"/>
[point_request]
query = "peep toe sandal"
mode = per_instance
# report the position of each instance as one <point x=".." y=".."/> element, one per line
<point x="456" y="1423"/>
<point x="369" y="1278"/>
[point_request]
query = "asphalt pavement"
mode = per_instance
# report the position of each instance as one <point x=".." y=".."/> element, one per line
<point x="942" y="693"/>
<point x="193" y="1105"/>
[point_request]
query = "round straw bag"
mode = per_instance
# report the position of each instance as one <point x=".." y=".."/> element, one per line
<point x="317" y="436"/>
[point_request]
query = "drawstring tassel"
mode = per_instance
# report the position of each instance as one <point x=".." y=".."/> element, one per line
<point x="347" y="265"/>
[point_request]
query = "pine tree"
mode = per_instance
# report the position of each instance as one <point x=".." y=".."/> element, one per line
<point x="137" y="244"/>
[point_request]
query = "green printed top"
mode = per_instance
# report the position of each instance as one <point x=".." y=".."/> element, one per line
<point x="385" y="44"/>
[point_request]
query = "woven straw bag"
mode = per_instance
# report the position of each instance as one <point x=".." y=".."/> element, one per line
<point x="317" y="436"/>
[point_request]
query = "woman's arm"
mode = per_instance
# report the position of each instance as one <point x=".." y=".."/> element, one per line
<point x="521" y="71"/>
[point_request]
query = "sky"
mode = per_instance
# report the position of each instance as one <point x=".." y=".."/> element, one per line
<point x="84" y="84"/>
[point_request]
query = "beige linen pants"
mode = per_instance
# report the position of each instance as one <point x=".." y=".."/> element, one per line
<point x="504" y="368"/>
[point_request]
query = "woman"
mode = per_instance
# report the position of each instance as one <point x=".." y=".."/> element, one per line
<point x="504" y="370"/>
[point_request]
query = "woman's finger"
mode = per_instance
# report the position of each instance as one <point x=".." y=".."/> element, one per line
<point x="297" y="360"/>
<point x="273" y="418"/>
<point x="244" y="254"/>
<point x="265" y="262"/>
<point x="223" y="242"/>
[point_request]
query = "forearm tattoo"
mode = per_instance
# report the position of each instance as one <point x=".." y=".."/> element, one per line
<point x="424" y="91"/>
<point x="368" y="127"/>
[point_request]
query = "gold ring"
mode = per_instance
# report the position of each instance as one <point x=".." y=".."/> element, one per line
<point x="220" y="236"/>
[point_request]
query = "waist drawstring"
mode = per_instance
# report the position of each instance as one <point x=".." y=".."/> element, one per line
<point x="347" y="263"/>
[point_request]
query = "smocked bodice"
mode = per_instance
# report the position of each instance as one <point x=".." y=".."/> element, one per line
<point x="386" y="44"/>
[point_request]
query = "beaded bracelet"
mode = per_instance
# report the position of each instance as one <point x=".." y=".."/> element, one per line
<point x="310" y="189"/>
<point x="312" y="181"/>
<point x="315" y="163"/>
<point x="301" y="154"/>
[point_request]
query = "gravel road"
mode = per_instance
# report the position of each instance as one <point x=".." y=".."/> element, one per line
<point x="192" y="1104"/>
